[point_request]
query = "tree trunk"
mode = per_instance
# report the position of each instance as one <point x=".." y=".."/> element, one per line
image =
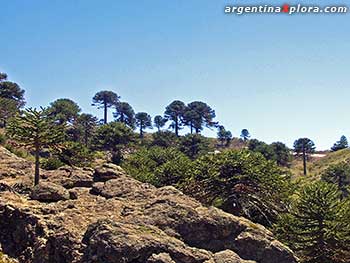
<point x="177" y="126"/>
<point x="304" y="160"/>
<point x="191" y="127"/>
<point x="37" y="164"/>
<point x="141" y="131"/>
<point x="105" y="112"/>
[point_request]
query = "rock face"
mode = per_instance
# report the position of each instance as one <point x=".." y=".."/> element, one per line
<point x="122" y="220"/>
<point x="49" y="192"/>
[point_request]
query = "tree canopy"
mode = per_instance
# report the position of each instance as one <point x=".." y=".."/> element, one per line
<point x="175" y="113"/>
<point x="64" y="111"/>
<point x="125" y="114"/>
<point x="341" y="144"/>
<point x="143" y="121"/>
<point x="104" y="100"/>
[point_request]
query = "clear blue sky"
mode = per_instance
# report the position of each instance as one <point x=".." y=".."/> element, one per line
<point x="282" y="77"/>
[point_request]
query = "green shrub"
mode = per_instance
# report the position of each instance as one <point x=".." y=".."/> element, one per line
<point x="241" y="182"/>
<point x="75" y="154"/>
<point x="2" y="139"/>
<point x="51" y="163"/>
<point x="158" y="166"/>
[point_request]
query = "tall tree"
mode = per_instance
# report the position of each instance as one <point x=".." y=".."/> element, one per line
<point x="245" y="135"/>
<point x="341" y="144"/>
<point x="313" y="227"/>
<point x="143" y="121"/>
<point x="105" y="99"/>
<point x="338" y="174"/>
<point x="86" y="124"/>
<point x="11" y="90"/>
<point x="224" y="136"/>
<point x="175" y="112"/>
<point x="304" y="146"/>
<point x="159" y="122"/>
<point x="198" y="114"/>
<point x="125" y="114"/>
<point x="283" y="155"/>
<point x="35" y="130"/>
<point x="64" y="111"/>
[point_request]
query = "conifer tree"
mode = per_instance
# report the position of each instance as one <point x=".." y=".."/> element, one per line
<point x="35" y="130"/>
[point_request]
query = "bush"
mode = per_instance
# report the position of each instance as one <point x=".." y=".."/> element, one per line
<point x="241" y="182"/>
<point x="158" y="166"/>
<point x="75" y="154"/>
<point x="164" y="139"/>
<point x="51" y="163"/>
<point x="2" y="139"/>
<point x="194" y="145"/>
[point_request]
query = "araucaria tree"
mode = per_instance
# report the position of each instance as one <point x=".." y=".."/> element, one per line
<point x="338" y="174"/>
<point x="11" y="99"/>
<point x="105" y="99"/>
<point x="341" y="144"/>
<point x="304" y="146"/>
<point x="159" y="122"/>
<point x="143" y="121"/>
<point x="86" y="125"/>
<point x="224" y="136"/>
<point x="315" y="227"/>
<point x="35" y="130"/>
<point x="175" y="112"/>
<point x="197" y="115"/>
<point x="64" y="111"/>
<point x="245" y="134"/>
<point x="124" y="113"/>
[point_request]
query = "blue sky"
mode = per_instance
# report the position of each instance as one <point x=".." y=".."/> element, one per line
<point x="281" y="77"/>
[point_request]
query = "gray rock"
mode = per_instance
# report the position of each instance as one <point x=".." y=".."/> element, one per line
<point x="49" y="192"/>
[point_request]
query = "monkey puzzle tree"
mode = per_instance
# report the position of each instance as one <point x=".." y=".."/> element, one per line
<point x="314" y="226"/>
<point x="224" y="136"/>
<point x="113" y="137"/>
<point x="338" y="174"/>
<point x="8" y="109"/>
<point x="175" y="112"/>
<point x="11" y="90"/>
<point x="125" y="114"/>
<point x="105" y="99"/>
<point x="198" y="114"/>
<point x="143" y="121"/>
<point x="35" y="130"/>
<point x="64" y="111"/>
<point x="159" y="122"/>
<point x="341" y="144"/>
<point x="304" y="146"/>
<point x="86" y="125"/>
<point x="245" y="135"/>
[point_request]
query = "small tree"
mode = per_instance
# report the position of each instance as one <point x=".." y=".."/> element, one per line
<point x="143" y="121"/>
<point x="313" y="227"/>
<point x="282" y="153"/>
<point x="125" y="114"/>
<point x="341" y="144"/>
<point x="164" y="139"/>
<point x="224" y="136"/>
<point x="86" y="125"/>
<point x="338" y="174"/>
<point x="11" y="90"/>
<point x="105" y="99"/>
<point x="194" y="145"/>
<point x="245" y="134"/>
<point x="304" y="146"/>
<point x="113" y="137"/>
<point x="159" y="122"/>
<point x="35" y="130"/>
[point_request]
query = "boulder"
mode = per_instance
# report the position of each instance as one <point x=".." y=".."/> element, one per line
<point x="107" y="172"/>
<point x="49" y="192"/>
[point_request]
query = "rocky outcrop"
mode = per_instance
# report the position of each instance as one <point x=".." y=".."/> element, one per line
<point x="123" y="220"/>
<point x="107" y="172"/>
<point x="49" y="192"/>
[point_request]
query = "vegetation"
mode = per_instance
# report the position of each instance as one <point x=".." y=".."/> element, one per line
<point x="304" y="146"/>
<point x="243" y="176"/>
<point x="315" y="226"/>
<point x="36" y="130"/>
<point x="341" y="144"/>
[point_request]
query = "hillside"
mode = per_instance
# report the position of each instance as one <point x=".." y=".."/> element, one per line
<point x="103" y="215"/>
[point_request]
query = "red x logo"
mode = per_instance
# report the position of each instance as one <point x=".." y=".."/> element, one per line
<point x="285" y="8"/>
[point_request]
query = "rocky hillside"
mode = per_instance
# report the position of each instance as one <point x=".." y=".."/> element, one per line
<point x="103" y="215"/>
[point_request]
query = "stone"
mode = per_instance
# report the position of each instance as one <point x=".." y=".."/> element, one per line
<point x="49" y="192"/>
<point x="107" y="172"/>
